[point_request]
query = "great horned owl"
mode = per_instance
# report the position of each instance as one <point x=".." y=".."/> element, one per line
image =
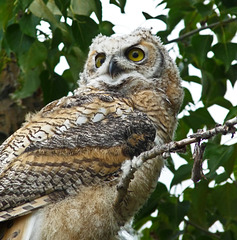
<point x="59" y="173"/>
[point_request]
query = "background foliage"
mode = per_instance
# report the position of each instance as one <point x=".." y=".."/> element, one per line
<point x="28" y="81"/>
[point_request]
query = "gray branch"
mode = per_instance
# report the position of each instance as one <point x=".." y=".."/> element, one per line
<point x="176" y="146"/>
<point x="200" y="29"/>
<point x="228" y="127"/>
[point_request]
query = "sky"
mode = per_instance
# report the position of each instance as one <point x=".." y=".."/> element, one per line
<point x="133" y="17"/>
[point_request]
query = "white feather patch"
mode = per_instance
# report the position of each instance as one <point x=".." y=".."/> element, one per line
<point x="126" y="167"/>
<point x="98" y="117"/>
<point x="81" y="120"/>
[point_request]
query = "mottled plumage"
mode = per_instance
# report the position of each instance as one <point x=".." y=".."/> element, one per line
<point x="61" y="169"/>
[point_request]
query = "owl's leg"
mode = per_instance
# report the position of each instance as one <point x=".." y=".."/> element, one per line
<point x="138" y="181"/>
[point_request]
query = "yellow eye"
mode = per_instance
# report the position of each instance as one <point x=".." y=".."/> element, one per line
<point x="135" y="54"/>
<point x="99" y="59"/>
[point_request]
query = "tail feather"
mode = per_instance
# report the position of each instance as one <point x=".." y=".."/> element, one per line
<point x="24" y="209"/>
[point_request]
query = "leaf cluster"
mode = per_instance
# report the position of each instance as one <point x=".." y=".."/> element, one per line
<point x="38" y="50"/>
<point x="191" y="212"/>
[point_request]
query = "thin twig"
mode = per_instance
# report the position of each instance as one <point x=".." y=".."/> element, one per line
<point x="202" y="229"/>
<point x="228" y="127"/>
<point x="198" y="152"/>
<point x="131" y="166"/>
<point x="200" y="29"/>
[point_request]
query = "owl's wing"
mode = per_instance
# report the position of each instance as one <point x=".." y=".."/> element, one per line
<point x="74" y="141"/>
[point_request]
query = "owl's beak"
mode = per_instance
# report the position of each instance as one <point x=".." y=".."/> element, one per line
<point x="114" y="69"/>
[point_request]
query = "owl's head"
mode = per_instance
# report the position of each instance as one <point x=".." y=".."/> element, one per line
<point x="138" y="58"/>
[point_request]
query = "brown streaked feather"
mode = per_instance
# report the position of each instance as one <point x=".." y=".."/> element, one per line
<point x="24" y="209"/>
<point x="76" y="140"/>
<point x="75" y="150"/>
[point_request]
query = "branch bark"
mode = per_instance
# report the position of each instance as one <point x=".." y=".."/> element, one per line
<point x="200" y="29"/>
<point x="228" y="127"/>
<point x="175" y="146"/>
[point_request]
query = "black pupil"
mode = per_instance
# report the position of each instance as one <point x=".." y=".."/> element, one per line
<point x="135" y="54"/>
<point x="102" y="60"/>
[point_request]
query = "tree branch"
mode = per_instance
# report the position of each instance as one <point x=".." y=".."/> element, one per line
<point x="200" y="29"/>
<point x="131" y="166"/>
<point x="202" y="229"/>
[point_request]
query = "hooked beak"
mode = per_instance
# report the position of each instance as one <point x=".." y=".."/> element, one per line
<point x="114" y="69"/>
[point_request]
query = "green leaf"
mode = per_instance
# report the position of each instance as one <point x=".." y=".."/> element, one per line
<point x="227" y="235"/>
<point x="85" y="8"/>
<point x="220" y="156"/>
<point x="219" y="100"/>
<point x="53" y="8"/>
<point x="226" y="32"/>
<point x="17" y="40"/>
<point x="39" y="9"/>
<point x="182" y="129"/>
<point x="147" y="16"/>
<point x="232" y="10"/>
<point x="57" y="38"/>
<point x="53" y="86"/>
<point x="106" y="28"/>
<point x="199" y="119"/>
<point x="72" y="57"/>
<point x="171" y="212"/>
<point x="30" y="84"/>
<point x="232" y="113"/>
<point x="204" y="9"/>
<point x="232" y="73"/>
<point x="201" y="46"/>
<point x="221" y="178"/>
<point x="170" y="164"/>
<point x="160" y="193"/>
<point x="181" y="174"/>
<point x="84" y="29"/>
<point x="213" y="82"/>
<point x="120" y="3"/>
<point x="28" y="24"/>
<point x="192" y="79"/>
<point x="98" y="10"/>
<point x="67" y="75"/>
<point x="163" y="35"/>
<point x="225" y="198"/>
<point x="25" y="3"/>
<point x="187" y="99"/>
<point x="182" y="210"/>
<point x="36" y="54"/>
<point x="163" y="18"/>
<point x="175" y="16"/>
<point x="6" y="12"/>
<point x="198" y="198"/>
<point x="230" y="7"/>
<point x="178" y="11"/>
<point x="190" y="21"/>
<point x="226" y="53"/>
<point x="62" y="6"/>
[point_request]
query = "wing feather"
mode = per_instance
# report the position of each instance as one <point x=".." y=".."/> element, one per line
<point x="74" y="141"/>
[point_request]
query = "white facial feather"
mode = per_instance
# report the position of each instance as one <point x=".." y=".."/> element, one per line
<point x="114" y="48"/>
